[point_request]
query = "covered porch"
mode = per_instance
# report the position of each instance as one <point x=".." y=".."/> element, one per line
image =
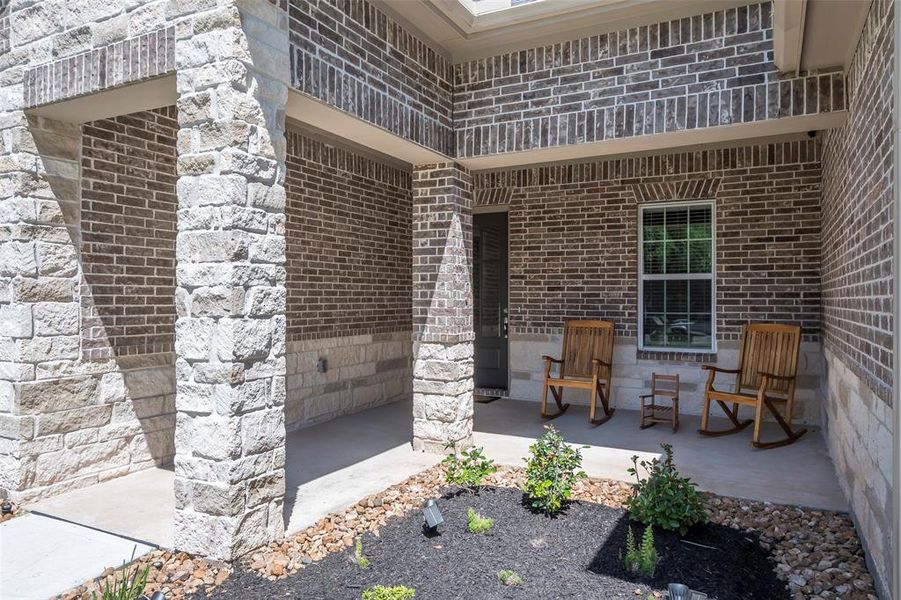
<point x="335" y="474"/>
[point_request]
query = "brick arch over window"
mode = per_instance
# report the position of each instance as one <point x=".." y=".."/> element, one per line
<point x="692" y="189"/>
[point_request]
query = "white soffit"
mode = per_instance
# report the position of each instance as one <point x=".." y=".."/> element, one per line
<point x="831" y="31"/>
<point x="125" y="100"/>
<point x="788" y="34"/>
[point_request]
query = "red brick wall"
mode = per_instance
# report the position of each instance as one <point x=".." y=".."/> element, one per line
<point x="349" y="245"/>
<point x="574" y="234"/>
<point x="857" y="215"/>
<point x="128" y="227"/>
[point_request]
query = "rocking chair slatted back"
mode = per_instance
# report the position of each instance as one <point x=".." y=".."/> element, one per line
<point x="584" y="341"/>
<point x="769" y="348"/>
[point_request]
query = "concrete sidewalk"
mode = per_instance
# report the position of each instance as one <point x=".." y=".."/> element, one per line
<point x="41" y="556"/>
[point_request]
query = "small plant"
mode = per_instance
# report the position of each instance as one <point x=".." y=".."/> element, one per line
<point x="395" y="592"/>
<point x="551" y="472"/>
<point x="129" y="585"/>
<point x="641" y="559"/>
<point x="476" y="523"/>
<point x="664" y="498"/>
<point x="362" y="561"/>
<point x="509" y="578"/>
<point x="468" y="468"/>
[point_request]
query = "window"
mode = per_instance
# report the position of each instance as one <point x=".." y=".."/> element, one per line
<point x="676" y="278"/>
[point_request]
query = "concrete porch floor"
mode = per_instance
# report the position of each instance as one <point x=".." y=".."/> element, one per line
<point x="332" y="465"/>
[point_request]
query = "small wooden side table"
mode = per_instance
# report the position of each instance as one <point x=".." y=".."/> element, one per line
<point x="663" y="386"/>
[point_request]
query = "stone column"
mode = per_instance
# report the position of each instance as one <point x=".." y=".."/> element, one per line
<point x="232" y="78"/>
<point x="39" y="309"/>
<point x="442" y="307"/>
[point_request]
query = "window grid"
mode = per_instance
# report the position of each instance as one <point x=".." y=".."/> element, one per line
<point x="688" y="230"/>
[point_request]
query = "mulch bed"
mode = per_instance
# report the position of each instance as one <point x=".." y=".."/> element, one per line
<point x="574" y="555"/>
<point x="817" y="553"/>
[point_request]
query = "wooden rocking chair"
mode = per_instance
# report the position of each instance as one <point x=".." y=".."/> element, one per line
<point x="586" y="364"/>
<point x="765" y="377"/>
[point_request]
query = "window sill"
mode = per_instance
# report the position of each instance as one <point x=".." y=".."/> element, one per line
<point x="677" y="356"/>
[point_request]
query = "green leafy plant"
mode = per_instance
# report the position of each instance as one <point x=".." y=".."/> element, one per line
<point x="509" y="578"/>
<point x="395" y="592"/>
<point x="552" y="470"/>
<point x="664" y="498"/>
<point x="641" y="559"/>
<point x="362" y="561"/>
<point x="129" y="584"/>
<point x="467" y="468"/>
<point x="476" y="523"/>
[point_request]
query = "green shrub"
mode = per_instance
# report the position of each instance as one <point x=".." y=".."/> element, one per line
<point x="641" y="559"/>
<point x="362" y="561"/>
<point x="468" y="468"/>
<point x="476" y="523"/>
<point x="664" y="498"/>
<point x="129" y="584"/>
<point x="551" y="472"/>
<point x="395" y="592"/>
<point x="509" y="578"/>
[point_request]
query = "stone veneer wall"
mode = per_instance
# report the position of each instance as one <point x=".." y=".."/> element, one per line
<point x="584" y="218"/>
<point x="703" y="71"/>
<point x="97" y="399"/>
<point x="351" y="55"/>
<point x="857" y="290"/>
<point x="349" y="275"/>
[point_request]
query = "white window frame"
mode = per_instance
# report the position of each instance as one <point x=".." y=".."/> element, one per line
<point x="681" y="276"/>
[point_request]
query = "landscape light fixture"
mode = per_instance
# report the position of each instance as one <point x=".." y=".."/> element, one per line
<point x="678" y="591"/>
<point x="6" y="508"/>
<point x="432" y="516"/>
<point x="158" y="595"/>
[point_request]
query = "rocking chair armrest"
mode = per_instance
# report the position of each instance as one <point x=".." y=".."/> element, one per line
<point x="552" y="359"/>
<point x="598" y="361"/>
<point x="719" y="369"/>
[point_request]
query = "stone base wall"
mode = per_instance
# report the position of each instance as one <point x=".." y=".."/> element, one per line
<point x="632" y="374"/>
<point x="859" y="436"/>
<point x="81" y="430"/>
<point x="361" y="371"/>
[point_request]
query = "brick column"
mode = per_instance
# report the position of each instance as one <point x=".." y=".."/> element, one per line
<point x="230" y="335"/>
<point x="442" y="307"/>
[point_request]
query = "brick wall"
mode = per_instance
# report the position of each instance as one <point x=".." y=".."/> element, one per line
<point x="857" y="290"/>
<point x="348" y="242"/>
<point x="349" y="274"/>
<point x="349" y="54"/>
<point x="701" y="71"/>
<point x="128" y="227"/>
<point x="857" y="215"/>
<point x="574" y="235"/>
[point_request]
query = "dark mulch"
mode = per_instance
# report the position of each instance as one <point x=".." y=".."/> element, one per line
<point x="575" y="555"/>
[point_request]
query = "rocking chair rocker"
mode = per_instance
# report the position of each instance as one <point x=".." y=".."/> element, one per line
<point x="765" y="377"/>
<point x="586" y="364"/>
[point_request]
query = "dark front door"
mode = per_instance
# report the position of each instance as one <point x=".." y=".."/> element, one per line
<point x="490" y="294"/>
